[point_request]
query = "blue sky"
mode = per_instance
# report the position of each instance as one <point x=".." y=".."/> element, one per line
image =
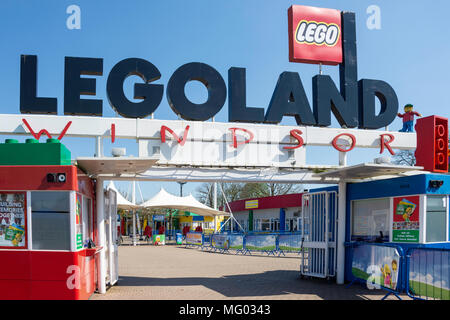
<point x="410" y="52"/>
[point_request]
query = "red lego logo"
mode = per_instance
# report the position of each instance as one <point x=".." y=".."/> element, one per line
<point x="315" y="35"/>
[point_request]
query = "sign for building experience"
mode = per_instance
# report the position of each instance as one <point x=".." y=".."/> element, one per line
<point x="316" y="35"/>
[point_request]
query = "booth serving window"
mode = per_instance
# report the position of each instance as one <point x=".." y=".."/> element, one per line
<point x="50" y="217"/>
<point x="436" y="219"/>
<point x="370" y="219"/>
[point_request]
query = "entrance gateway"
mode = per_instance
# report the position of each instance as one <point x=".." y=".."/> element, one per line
<point x="253" y="150"/>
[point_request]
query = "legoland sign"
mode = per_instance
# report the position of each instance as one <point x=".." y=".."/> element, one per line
<point x="315" y="36"/>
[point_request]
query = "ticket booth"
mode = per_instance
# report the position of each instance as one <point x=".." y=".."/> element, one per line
<point x="49" y="240"/>
<point x="404" y="210"/>
<point x="407" y="212"/>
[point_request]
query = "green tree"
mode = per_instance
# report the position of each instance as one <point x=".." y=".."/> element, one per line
<point x="239" y="191"/>
<point x="405" y="158"/>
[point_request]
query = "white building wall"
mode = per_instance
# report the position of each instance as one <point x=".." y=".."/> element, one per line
<point x="274" y="213"/>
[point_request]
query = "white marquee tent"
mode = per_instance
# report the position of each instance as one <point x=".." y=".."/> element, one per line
<point x="165" y="200"/>
<point x="123" y="203"/>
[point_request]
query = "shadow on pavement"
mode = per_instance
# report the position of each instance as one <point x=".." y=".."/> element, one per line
<point x="269" y="283"/>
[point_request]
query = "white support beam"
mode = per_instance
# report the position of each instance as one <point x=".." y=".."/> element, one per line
<point x="149" y="129"/>
<point x="226" y="175"/>
<point x="207" y="143"/>
<point x="340" y="258"/>
<point x="101" y="236"/>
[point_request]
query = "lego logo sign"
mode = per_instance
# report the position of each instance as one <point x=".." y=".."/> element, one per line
<point x="315" y="35"/>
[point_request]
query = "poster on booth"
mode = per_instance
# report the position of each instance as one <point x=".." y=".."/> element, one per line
<point x="13" y="220"/>
<point x="406" y="225"/>
<point x="377" y="265"/>
<point x="78" y="223"/>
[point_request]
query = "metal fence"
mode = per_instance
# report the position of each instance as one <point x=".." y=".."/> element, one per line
<point x="428" y="273"/>
<point x="420" y="272"/>
<point x="261" y="242"/>
<point x="378" y="266"/>
<point x="194" y="239"/>
<point x="269" y="243"/>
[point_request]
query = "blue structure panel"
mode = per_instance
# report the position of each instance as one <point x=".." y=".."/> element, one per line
<point x="395" y="187"/>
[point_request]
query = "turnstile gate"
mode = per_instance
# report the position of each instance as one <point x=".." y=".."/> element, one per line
<point x="319" y="226"/>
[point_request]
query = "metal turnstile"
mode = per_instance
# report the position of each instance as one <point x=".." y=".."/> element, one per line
<point x="319" y="226"/>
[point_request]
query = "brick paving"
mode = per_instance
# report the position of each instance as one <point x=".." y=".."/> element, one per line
<point x="177" y="273"/>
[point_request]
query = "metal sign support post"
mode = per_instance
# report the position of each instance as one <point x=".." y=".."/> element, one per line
<point x="231" y="213"/>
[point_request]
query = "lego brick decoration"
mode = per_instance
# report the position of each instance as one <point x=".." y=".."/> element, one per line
<point x="13" y="153"/>
<point x="432" y="144"/>
<point x="315" y="35"/>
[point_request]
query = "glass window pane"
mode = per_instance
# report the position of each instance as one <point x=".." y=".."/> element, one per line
<point x="369" y="218"/>
<point x="436" y="203"/>
<point x="86" y="214"/>
<point x="436" y="219"/>
<point x="56" y="201"/>
<point x="50" y="231"/>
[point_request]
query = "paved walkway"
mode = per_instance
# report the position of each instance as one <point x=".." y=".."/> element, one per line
<point x="177" y="273"/>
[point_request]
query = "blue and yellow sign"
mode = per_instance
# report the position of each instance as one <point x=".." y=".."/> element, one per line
<point x="251" y="204"/>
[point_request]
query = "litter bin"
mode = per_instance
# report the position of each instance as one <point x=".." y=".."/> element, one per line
<point x="179" y="238"/>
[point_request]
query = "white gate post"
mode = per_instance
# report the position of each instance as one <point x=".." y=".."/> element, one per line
<point x="340" y="265"/>
<point x="101" y="236"/>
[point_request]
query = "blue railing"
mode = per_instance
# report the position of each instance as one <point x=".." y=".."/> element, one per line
<point x="265" y="242"/>
<point x="378" y="266"/>
<point x="420" y="271"/>
<point x="428" y="273"/>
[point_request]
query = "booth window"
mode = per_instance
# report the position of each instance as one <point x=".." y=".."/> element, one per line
<point x="87" y="219"/>
<point x="50" y="220"/>
<point x="436" y="219"/>
<point x="370" y="219"/>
